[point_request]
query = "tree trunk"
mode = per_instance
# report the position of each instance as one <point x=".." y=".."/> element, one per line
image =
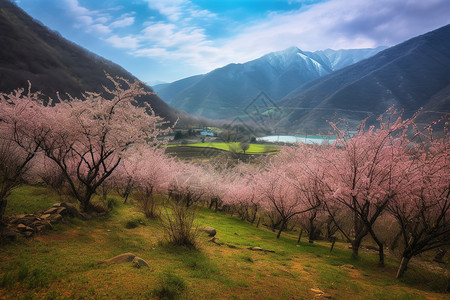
<point x="402" y="268"/>
<point x="283" y="223"/>
<point x="311" y="235"/>
<point x="2" y="208"/>
<point x="333" y="241"/>
<point x="125" y="201"/>
<point x="394" y="243"/>
<point x="300" y="236"/>
<point x="84" y="206"/>
<point x="380" y="248"/>
<point x="355" y="247"/>
<point x="85" y="202"/>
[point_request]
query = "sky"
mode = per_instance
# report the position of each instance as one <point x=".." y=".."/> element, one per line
<point x="166" y="40"/>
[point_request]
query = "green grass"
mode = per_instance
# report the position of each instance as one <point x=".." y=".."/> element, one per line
<point x="234" y="147"/>
<point x="28" y="199"/>
<point x="64" y="263"/>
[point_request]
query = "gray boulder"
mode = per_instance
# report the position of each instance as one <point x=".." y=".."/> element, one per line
<point x="139" y="263"/>
<point x="211" y="231"/>
<point x="121" y="258"/>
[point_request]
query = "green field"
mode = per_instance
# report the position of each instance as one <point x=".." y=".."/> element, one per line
<point x="234" y="147"/>
<point x="64" y="263"/>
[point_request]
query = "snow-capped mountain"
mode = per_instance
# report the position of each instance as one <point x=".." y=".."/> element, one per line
<point x="412" y="75"/>
<point x="224" y="92"/>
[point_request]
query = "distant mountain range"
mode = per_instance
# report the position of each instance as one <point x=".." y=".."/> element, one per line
<point x="30" y="51"/>
<point x="411" y="75"/>
<point x="222" y="93"/>
<point x="307" y="88"/>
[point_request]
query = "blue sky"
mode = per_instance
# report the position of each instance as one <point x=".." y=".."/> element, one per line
<point x="166" y="40"/>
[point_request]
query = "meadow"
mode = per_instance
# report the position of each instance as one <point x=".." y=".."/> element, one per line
<point x="233" y="147"/>
<point x="65" y="263"/>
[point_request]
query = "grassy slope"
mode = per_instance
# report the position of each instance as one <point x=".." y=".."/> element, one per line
<point x="63" y="264"/>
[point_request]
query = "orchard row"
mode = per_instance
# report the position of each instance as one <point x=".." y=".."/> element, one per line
<point x="390" y="182"/>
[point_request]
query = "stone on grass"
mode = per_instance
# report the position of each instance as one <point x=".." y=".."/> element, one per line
<point x="45" y="216"/>
<point x="121" y="258"/>
<point x="51" y="210"/>
<point x="317" y="291"/>
<point x="347" y="266"/>
<point x="256" y="248"/>
<point x="139" y="263"/>
<point x="71" y="210"/>
<point x="211" y="231"/>
<point x="261" y="249"/>
<point x="56" y="218"/>
<point x="23" y="227"/>
<point x="61" y="210"/>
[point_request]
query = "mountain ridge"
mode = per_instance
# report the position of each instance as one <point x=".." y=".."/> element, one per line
<point x="223" y="92"/>
<point x="407" y="75"/>
<point x="32" y="52"/>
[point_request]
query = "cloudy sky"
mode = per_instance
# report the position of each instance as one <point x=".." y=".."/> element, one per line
<point x="165" y="40"/>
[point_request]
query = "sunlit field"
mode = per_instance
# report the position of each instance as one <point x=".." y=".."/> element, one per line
<point x="65" y="263"/>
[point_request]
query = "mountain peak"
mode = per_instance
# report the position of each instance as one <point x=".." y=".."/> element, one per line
<point x="222" y="92"/>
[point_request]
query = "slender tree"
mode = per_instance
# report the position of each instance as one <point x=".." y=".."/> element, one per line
<point x="423" y="211"/>
<point x="17" y="143"/>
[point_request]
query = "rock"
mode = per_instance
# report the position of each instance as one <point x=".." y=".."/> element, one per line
<point x="347" y="266"/>
<point x="27" y="220"/>
<point x="20" y="217"/>
<point x="22" y="227"/>
<point x="125" y="257"/>
<point x="211" y="231"/>
<point x="46" y="216"/>
<point x="56" y="218"/>
<point x="261" y="249"/>
<point x="51" y="210"/>
<point x="256" y="248"/>
<point x="139" y="263"/>
<point x="61" y="210"/>
<point x="37" y="223"/>
<point x="71" y="210"/>
<point x="317" y="291"/>
<point x="40" y="227"/>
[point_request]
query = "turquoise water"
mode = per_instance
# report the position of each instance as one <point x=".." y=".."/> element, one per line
<point x="293" y="139"/>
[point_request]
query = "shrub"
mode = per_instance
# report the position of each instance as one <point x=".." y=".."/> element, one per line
<point x="132" y="224"/>
<point x="172" y="286"/>
<point x="179" y="225"/>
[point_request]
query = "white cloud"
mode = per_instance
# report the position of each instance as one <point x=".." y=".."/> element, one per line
<point x="178" y="10"/>
<point x="95" y="21"/>
<point x="336" y="24"/>
<point x="339" y="24"/>
<point x="92" y="21"/>
<point x="126" y="42"/>
<point x="99" y="28"/>
<point x="125" y="22"/>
